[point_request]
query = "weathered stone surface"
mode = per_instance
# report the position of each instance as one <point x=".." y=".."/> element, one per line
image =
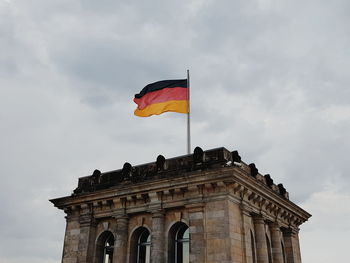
<point x="158" y="239"/>
<point x="227" y="205"/>
<point x="260" y="240"/>
<point x="121" y="243"/>
<point x="276" y="243"/>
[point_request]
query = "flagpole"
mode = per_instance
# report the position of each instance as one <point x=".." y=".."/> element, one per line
<point x="188" y="115"/>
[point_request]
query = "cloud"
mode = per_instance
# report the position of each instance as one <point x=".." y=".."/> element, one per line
<point x="320" y="234"/>
<point x="268" y="78"/>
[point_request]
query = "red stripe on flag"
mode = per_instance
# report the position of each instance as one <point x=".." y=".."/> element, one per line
<point x="162" y="95"/>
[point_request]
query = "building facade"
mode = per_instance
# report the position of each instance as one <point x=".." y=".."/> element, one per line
<point x="208" y="206"/>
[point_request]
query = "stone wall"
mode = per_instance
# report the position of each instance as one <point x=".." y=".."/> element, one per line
<point x="234" y="214"/>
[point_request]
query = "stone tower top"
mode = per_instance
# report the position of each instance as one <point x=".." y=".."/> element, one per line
<point x="208" y="206"/>
<point x="225" y="167"/>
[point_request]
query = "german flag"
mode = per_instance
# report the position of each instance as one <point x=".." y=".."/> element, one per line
<point x="162" y="96"/>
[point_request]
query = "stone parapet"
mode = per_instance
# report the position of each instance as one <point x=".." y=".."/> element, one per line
<point x="228" y="206"/>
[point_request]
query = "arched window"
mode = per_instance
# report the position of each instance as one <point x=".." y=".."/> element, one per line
<point x="104" y="248"/>
<point x="108" y="250"/>
<point x="140" y="246"/>
<point x="268" y="249"/>
<point x="252" y="242"/>
<point x="179" y="243"/>
<point x="144" y="247"/>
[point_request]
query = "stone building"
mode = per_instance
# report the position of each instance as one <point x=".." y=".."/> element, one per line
<point x="208" y="206"/>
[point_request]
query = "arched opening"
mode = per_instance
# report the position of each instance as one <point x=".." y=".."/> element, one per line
<point x="269" y="254"/>
<point x="140" y="246"/>
<point x="252" y="242"/>
<point x="179" y="243"/>
<point x="104" y="248"/>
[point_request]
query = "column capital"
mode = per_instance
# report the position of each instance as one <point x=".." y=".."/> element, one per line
<point x="245" y="209"/>
<point x="290" y="231"/>
<point x="258" y="219"/>
<point x="275" y="225"/>
<point x="195" y="207"/>
<point x="158" y="214"/>
<point x="120" y="213"/>
<point x="121" y="217"/>
<point x="70" y="218"/>
<point x="87" y="220"/>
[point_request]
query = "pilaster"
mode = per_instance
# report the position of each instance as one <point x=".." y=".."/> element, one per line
<point x="121" y="242"/>
<point x="276" y="244"/>
<point x="71" y="239"/>
<point x="87" y="236"/>
<point x="248" y="249"/>
<point x="158" y="242"/>
<point x="197" y="235"/>
<point x="260" y="239"/>
<point x="291" y="243"/>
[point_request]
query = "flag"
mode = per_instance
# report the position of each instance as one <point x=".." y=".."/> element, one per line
<point x="162" y="96"/>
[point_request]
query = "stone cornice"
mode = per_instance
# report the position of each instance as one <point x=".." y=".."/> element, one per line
<point x="195" y="186"/>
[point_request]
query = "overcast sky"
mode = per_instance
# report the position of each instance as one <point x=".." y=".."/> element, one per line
<point x="269" y="78"/>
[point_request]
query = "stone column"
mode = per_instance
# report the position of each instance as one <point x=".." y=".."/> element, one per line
<point x="249" y="250"/>
<point x="158" y="242"/>
<point x="71" y="239"/>
<point x="260" y="240"/>
<point x="197" y="235"/>
<point x="291" y="245"/>
<point x="297" y="246"/>
<point x="87" y="237"/>
<point x="121" y="242"/>
<point x="276" y="246"/>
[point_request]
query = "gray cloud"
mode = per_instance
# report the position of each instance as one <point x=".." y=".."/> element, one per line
<point x="269" y="78"/>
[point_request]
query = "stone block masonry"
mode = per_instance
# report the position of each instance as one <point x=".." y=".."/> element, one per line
<point x="204" y="207"/>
